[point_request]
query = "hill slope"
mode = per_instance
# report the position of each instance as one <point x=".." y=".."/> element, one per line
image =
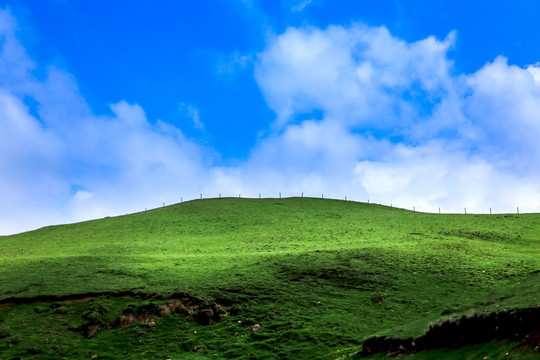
<point x="318" y="276"/>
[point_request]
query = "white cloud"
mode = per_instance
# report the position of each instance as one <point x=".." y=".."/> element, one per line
<point x="535" y="72"/>
<point x="123" y="161"/>
<point x="14" y="64"/>
<point x="504" y="103"/>
<point x="358" y="74"/>
<point x="233" y="62"/>
<point x="81" y="196"/>
<point x="193" y="113"/>
<point x="312" y="157"/>
<point x="299" y="7"/>
<point x="438" y="174"/>
<point x="459" y="141"/>
<point x="398" y="126"/>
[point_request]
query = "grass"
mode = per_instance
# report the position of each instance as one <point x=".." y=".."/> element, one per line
<point x="319" y="276"/>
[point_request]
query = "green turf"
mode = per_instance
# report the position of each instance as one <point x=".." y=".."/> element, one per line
<point x="312" y="272"/>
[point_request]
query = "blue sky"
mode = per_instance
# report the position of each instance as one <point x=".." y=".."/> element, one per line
<point x="108" y="108"/>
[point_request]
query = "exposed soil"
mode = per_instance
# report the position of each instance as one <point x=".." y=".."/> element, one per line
<point x="80" y="299"/>
<point x="67" y="298"/>
<point x="205" y="313"/>
<point x="517" y="325"/>
<point x="146" y="314"/>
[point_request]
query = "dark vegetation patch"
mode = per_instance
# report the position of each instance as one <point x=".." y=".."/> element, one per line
<point x="485" y="235"/>
<point x="351" y="270"/>
<point x="516" y="325"/>
<point x="330" y="215"/>
<point x="342" y="276"/>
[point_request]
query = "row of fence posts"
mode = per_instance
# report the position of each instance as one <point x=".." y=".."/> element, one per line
<point x="322" y="197"/>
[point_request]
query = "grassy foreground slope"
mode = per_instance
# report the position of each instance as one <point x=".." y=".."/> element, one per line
<point x="319" y="276"/>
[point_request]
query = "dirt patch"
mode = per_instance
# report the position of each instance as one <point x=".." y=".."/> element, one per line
<point x="152" y="308"/>
<point x="146" y="314"/>
<point x="66" y="298"/>
<point x="517" y="325"/>
<point x="81" y="299"/>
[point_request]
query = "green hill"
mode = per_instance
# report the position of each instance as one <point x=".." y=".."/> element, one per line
<point x="261" y="278"/>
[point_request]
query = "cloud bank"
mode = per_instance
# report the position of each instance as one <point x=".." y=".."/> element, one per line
<point x="359" y="113"/>
<point x="398" y="125"/>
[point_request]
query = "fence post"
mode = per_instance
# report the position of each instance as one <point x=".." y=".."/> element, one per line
<point x="489" y="211"/>
<point x="181" y="199"/>
<point x="391" y="207"/>
<point x="368" y="201"/>
<point x="322" y="196"/>
<point x="220" y="195"/>
<point x="239" y="196"/>
<point x="280" y="195"/>
<point x="414" y="208"/>
<point x="259" y="195"/>
<point x="518" y="210"/>
<point x="465" y="211"/>
<point x="201" y="196"/>
<point x="345" y="198"/>
<point x="163" y="204"/>
<point x="439" y="210"/>
<point x="302" y="194"/>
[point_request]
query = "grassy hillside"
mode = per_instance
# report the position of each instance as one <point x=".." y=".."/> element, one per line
<point x="318" y="276"/>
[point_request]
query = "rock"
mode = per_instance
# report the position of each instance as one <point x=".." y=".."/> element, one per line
<point x="125" y="320"/>
<point x="255" y="327"/>
<point x="176" y="306"/>
<point x="190" y="310"/>
<point x="151" y="323"/>
<point x="164" y="310"/>
<point x="142" y="318"/>
<point x="91" y="330"/>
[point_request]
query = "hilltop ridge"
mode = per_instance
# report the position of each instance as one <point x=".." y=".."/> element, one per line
<point x="317" y="276"/>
